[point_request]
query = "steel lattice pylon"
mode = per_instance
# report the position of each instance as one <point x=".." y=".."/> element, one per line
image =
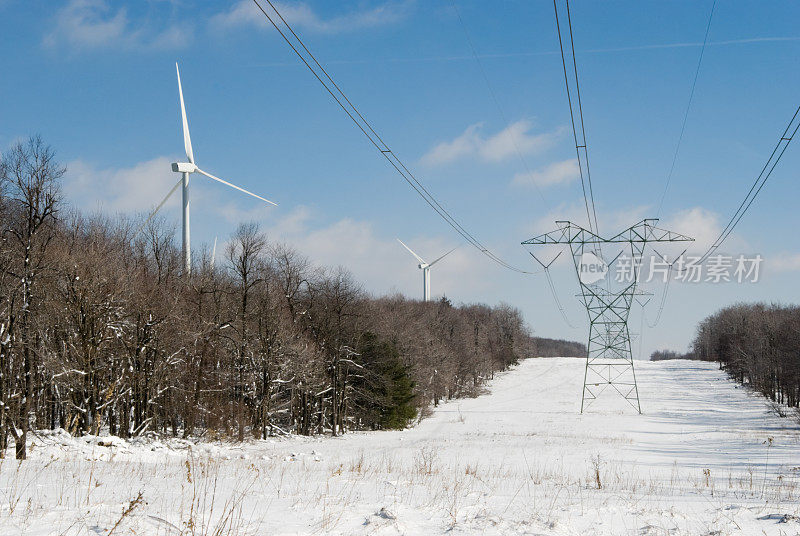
<point x="609" y="361"/>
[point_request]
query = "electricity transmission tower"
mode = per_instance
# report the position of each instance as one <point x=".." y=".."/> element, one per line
<point x="609" y="361"/>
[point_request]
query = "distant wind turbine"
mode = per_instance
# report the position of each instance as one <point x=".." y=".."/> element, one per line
<point x="426" y="270"/>
<point x="185" y="169"/>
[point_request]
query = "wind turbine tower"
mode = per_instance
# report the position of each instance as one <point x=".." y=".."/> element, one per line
<point x="186" y="169"/>
<point x="426" y="270"/>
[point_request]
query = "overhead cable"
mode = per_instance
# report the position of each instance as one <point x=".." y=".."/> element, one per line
<point x="546" y="268"/>
<point x="758" y="184"/>
<point x="686" y="113"/>
<point x="319" y="72"/>
<point x="588" y="198"/>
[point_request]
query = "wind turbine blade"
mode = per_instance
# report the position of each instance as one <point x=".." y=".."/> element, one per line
<point x="410" y="251"/>
<point x="152" y="214"/>
<point x="214" y="253"/>
<point x="210" y="176"/>
<point x="443" y="256"/>
<point x="187" y="141"/>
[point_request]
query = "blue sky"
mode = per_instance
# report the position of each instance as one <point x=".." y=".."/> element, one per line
<point x="97" y="80"/>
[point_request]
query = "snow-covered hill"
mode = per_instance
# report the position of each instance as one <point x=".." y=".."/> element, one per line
<point x="706" y="457"/>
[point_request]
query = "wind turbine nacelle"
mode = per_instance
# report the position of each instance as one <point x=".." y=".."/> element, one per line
<point x="183" y="167"/>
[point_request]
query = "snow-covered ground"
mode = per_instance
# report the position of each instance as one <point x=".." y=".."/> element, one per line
<point x="705" y="458"/>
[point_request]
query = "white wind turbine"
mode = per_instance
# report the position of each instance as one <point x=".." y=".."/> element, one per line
<point x="185" y="169"/>
<point x="426" y="270"/>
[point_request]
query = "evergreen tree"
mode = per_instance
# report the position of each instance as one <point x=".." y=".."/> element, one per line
<point x="388" y="391"/>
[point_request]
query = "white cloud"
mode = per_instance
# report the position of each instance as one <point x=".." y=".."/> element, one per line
<point x="563" y="172"/>
<point x="381" y="263"/>
<point x="141" y="187"/>
<point x="293" y="224"/>
<point x="515" y="137"/>
<point x="91" y="24"/>
<point x="134" y="189"/>
<point x="784" y="262"/>
<point x="610" y="222"/>
<point x="300" y="15"/>
<point x="698" y="223"/>
<point x="493" y="148"/>
<point x="463" y="145"/>
<point x="233" y="213"/>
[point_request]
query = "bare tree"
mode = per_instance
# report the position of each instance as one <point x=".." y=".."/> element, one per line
<point x="245" y="253"/>
<point x="31" y="176"/>
<point x="757" y="345"/>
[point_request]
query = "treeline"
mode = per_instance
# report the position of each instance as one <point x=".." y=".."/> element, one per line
<point x="758" y="345"/>
<point x="664" y="355"/>
<point x="101" y="329"/>
<point x="559" y="348"/>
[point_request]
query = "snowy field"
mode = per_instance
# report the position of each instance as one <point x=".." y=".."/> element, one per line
<point x="706" y="458"/>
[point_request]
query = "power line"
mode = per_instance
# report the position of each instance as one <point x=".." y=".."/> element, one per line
<point x="546" y="268"/>
<point x="580" y="112"/>
<point x="366" y="128"/>
<point x="758" y="184"/>
<point x="641" y="324"/>
<point x="675" y="157"/>
<point x="522" y="159"/>
<point x="587" y="199"/>
<point x="663" y="300"/>
<point x="578" y="145"/>
<point x="555" y="297"/>
<point x="686" y="113"/>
